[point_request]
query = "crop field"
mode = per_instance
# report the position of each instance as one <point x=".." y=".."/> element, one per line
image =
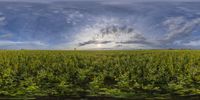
<point x="120" y="74"/>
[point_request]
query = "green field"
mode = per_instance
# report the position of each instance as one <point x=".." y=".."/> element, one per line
<point x="122" y="74"/>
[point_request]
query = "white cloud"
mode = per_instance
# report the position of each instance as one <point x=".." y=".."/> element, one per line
<point x="189" y="11"/>
<point x="174" y="23"/>
<point x="73" y="16"/>
<point x="109" y="32"/>
<point x="2" y="20"/>
<point x="179" y="27"/>
<point x="125" y="2"/>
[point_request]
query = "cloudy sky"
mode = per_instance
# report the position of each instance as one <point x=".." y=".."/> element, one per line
<point x="99" y="24"/>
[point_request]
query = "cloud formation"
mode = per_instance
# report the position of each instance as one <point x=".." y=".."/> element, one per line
<point x="179" y="27"/>
<point x="93" y="42"/>
<point x="6" y="36"/>
<point x="2" y="18"/>
<point x="22" y="45"/>
<point x="89" y="24"/>
<point x="110" y="32"/>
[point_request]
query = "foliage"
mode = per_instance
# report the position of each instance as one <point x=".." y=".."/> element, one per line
<point x="108" y="73"/>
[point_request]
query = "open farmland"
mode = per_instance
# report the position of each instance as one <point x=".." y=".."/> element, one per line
<point x="121" y="74"/>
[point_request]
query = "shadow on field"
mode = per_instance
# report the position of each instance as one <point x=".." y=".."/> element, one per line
<point x="195" y="97"/>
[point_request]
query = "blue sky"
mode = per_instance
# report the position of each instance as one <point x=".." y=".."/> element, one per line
<point x="99" y="24"/>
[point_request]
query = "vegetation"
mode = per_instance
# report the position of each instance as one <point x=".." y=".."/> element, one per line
<point x="142" y="73"/>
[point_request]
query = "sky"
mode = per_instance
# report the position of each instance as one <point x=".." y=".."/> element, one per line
<point x="99" y="24"/>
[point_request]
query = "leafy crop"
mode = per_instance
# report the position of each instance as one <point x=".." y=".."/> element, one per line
<point x="99" y="73"/>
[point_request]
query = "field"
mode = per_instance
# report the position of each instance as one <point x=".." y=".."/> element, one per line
<point x="121" y="74"/>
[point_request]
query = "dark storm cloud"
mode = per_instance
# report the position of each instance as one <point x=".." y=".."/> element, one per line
<point x="115" y="29"/>
<point x="93" y="42"/>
